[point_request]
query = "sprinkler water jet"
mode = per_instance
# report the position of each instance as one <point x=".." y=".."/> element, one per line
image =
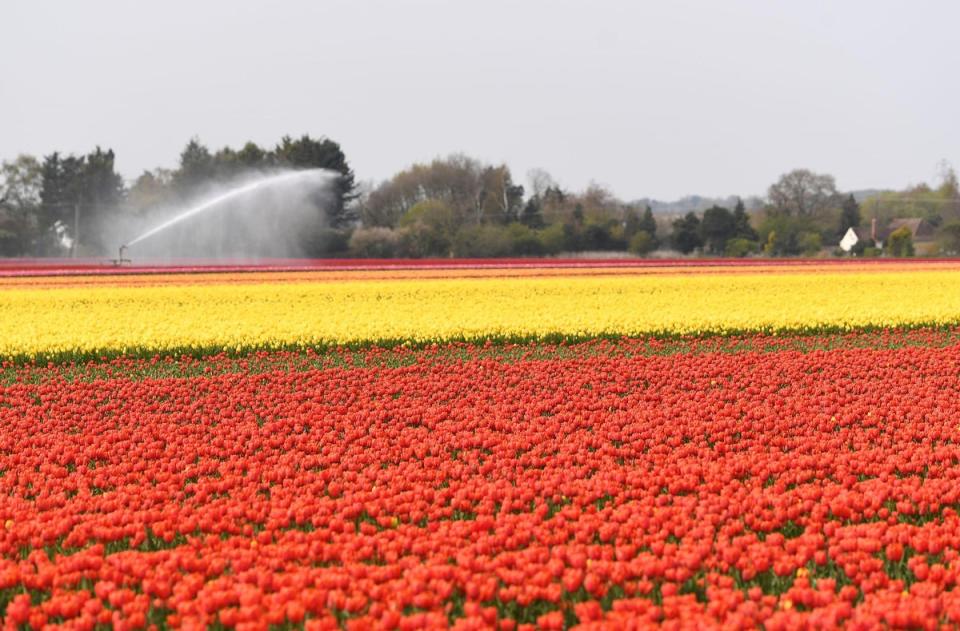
<point x="313" y="178"/>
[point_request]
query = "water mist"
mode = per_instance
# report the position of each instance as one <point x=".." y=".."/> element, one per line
<point x="269" y="215"/>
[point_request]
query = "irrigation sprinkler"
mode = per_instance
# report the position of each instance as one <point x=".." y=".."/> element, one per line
<point x="121" y="259"/>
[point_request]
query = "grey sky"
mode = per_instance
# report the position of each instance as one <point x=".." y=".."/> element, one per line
<point x="657" y="99"/>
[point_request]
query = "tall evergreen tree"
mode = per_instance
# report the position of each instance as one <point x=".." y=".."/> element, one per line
<point x="849" y="214"/>
<point x="20" y="181"/>
<point x="53" y="193"/>
<point x="306" y="153"/>
<point x="532" y="216"/>
<point x="635" y="224"/>
<point x="251" y="156"/>
<point x="101" y="193"/>
<point x="717" y="227"/>
<point x="649" y="225"/>
<point x="101" y="182"/>
<point x="149" y="191"/>
<point x="686" y="233"/>
<point x="197" y="167"/>
<point x="631" y="223"/>
<point x="226" y="165"/>
<point x="741" y="222"/>
<point x="62" y="198"/>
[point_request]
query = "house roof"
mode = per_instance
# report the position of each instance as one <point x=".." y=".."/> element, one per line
<point x="920" y="229"/>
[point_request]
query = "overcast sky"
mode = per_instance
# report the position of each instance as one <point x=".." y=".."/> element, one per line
<point x="659" y="98"/>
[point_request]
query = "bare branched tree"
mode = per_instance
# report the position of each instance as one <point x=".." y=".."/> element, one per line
<point x="803" y="193"/>
<point x="540" y="181"/>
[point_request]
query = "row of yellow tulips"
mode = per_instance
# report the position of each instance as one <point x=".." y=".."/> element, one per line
<point x="147" y="318"/>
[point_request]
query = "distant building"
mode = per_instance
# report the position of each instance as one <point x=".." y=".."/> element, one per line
<point x="921" y="231"/>
<point x="861" y="234"/>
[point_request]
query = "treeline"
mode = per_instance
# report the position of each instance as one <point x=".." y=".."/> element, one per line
<point x="453" y="206"/>
<point x="458" y="206"/>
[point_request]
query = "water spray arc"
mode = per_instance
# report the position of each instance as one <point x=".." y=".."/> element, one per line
<point x="319" y="176"/>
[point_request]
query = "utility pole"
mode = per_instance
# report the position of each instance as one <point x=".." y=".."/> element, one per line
<point x="76" y="230"/>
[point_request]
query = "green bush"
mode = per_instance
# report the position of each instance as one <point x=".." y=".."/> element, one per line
<point x="380" y="243"/>
<point x="326" y="242"/>
<point x="642" y="243"/>
<point x="809" y="243"/>
<point x="900" y="242"/>
<point x="493" y="240"/>
<point x="483" y="241"/>
<point x="739" y="248"/>
<point x="597" y="236"/>
<point x="523" y="240"/>
<point x="553" y="239"/>
<point x="784" y="235"/>
<point x="430" y="226"/>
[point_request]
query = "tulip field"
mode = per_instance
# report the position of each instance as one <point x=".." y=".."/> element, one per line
<point x="511" y="446"/>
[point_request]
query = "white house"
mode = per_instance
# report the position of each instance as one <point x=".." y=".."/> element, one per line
<point x="853" y="236"/>
<point x="849" y="240"/>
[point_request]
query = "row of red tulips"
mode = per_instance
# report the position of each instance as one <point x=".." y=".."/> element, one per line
<point x="188" y="365"/>
<point x="93" y="266"/>
<point x="605" y="488"/>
